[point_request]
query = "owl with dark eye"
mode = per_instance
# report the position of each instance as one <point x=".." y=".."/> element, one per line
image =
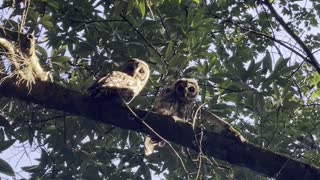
<point x="126" y="83"/>
<point x="178" y="101"/>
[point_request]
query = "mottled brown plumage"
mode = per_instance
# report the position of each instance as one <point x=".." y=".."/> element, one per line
<point x="176" y="100"/>
<point x="126" y="83"/>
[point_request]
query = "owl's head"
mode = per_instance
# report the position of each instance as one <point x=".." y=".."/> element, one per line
<point x="138" y="69"/>
<point x="186" y="89"/>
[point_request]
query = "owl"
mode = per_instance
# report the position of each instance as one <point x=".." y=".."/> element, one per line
<point x="126" y="83"/>
<point x="178" y="101"/>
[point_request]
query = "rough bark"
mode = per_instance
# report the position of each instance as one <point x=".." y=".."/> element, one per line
<point x="218" y="145"/>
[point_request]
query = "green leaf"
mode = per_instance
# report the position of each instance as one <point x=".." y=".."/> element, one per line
<point x="251" y="67"/>
<point x="61" y="59"/>
<point x="141" y="7"/>
<point x="316" y="80"/>
<point x="267" y="63"/>
<point x="196" y="1"/>
<point x="53" y="4"/>
<point x="177" y="62"/>
<point x="4" y="122"/>
<point x="315" y="95"/>
<point x="281" y="63"/>
<point x="62" y="50"/>
<point x="43" y="53"/>
<point x="29" y="169"/>
<point x="130" y="7"/>
<point x="5" y="168"/>
<point x="46" y="21"/>
<point x="6" y="144"/>
<point x="169" y="50"/>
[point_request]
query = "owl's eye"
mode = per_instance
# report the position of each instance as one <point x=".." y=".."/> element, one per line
<point x="191" y="89"/>
<point x="141" y="71"/>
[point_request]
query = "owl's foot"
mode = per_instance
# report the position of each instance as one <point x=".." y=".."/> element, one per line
<point x="149" y="146"/>
<point x="177" y="119"/>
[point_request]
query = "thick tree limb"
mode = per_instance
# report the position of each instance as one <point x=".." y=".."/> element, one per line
<point x="218" y="145"/>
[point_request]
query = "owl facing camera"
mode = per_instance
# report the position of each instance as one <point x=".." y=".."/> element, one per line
<point x="176" y="100"/>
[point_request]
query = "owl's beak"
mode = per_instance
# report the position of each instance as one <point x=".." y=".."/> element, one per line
<point x="135" y="74"/>
<point x="185" y="93"/>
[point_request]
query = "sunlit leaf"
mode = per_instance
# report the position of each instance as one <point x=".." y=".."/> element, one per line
<point x="196" y="1"/>
<point x="46" y="21"/>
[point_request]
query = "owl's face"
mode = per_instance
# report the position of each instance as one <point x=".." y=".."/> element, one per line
<point x="186" y="89"/>
<point x="138" y="69"/>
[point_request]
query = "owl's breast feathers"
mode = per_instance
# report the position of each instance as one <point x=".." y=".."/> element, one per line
<point x="168" y="103"/>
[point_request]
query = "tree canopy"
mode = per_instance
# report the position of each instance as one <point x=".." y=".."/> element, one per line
<point x="256" y="63"/>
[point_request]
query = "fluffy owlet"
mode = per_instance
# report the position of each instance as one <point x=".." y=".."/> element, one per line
<point x="176" y="100"/>
<point x="126" y="83"/>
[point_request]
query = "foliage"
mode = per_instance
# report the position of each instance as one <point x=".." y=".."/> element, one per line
<point x="246" y="64"/>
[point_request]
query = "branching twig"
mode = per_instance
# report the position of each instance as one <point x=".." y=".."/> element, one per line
<point x="142" y="37"/>
<point x="96" y="21"/>
<point x="162" y="138"/>
<point x="311" y="58"/>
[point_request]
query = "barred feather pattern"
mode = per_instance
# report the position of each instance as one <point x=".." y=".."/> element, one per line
<point x="178" y="101"/>
<point x="127" y="83"/>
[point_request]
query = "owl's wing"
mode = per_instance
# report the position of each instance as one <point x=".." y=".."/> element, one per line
<point x="115" y="82"/>
<point x="118" y="80"/>
<point x="164" y="97"/>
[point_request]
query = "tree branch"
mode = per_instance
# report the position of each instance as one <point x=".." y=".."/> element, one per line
<point x="312" y="60"/>
<point x="218" y="145"/>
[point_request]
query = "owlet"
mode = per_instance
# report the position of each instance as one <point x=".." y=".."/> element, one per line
<point x="176" y="100"/>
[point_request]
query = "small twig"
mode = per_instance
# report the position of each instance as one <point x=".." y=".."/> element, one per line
<point x="162" y="23"/>
<point x="275" y="40"/>
<point x="151" y="129"/>
<point x="195" y="115"/>
<point x="200" y="155"/>
<point x="296" y="70"/>
<point x="24" y="14"/>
